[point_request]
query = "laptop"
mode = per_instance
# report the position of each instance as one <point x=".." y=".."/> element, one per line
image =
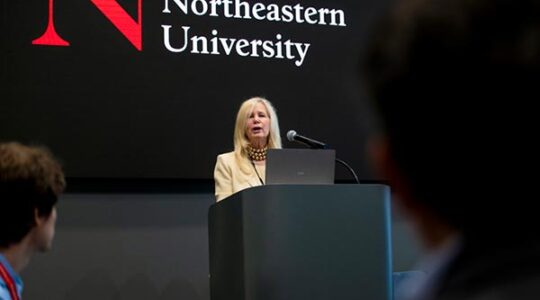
<point x="300" y="166"/>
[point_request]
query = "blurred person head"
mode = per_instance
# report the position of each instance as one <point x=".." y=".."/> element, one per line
<point x="31" y="181"/>
<point x="455" y="83"/>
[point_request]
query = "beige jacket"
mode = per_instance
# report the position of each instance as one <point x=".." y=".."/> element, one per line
<point x="229" y="179"/>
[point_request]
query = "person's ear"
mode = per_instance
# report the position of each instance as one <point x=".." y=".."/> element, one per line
<point x="386" y="168"/>
<point x="377" y="150"/>
<point x="39" y="220"/>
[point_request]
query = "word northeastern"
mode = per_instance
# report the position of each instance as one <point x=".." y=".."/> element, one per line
<point x="179" y="40"/>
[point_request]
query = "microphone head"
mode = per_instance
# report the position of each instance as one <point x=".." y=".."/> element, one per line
<point x="290" y="135"/>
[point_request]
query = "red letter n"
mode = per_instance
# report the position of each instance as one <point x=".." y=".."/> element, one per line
<point x="130" y="28"/>
<point x="50" y="37"/>
<point x="122" y="21"/>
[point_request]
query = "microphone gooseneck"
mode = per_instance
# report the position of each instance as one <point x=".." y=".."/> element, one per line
<point x="313" y="144"/>
<point x="348" y="168"/>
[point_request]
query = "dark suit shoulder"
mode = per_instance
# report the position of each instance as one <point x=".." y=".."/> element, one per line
<point x="494" y="272"/>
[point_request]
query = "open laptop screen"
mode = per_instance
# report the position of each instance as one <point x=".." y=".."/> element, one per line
<point x="300" y="166"/>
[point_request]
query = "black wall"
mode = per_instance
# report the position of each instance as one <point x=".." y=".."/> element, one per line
<point x="110" y="110"/>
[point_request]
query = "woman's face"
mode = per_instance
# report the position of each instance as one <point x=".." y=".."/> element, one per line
<point x="258" y="125"/>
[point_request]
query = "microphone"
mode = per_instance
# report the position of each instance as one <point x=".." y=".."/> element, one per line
<point x="311" y="143"/>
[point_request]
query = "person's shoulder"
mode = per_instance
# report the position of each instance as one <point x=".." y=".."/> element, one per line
<point x="478" y="274"/>
<point x="225" y="157"/>
<point x="226" y="154"/>
<point x="523" y="289"/>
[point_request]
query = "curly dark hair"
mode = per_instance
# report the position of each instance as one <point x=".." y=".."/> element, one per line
<point x="30" y="179"/>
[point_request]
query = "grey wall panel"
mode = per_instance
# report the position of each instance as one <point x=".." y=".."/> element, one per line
<point x="142" y="246"/>
<point x="122" y="246"/>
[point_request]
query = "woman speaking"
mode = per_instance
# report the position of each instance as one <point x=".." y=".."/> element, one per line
<point x="256" y="130"/>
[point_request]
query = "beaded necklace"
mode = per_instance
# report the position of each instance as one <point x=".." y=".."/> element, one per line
<point x="256" y="154"/>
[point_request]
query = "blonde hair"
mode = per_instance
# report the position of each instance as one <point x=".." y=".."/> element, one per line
<point x="240" y="138"/>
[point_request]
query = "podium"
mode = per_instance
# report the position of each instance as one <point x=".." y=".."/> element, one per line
<point x="300" y="242"/>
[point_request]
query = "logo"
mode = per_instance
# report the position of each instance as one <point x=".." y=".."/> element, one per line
<point x="129" y="27"/>
<point x="177" y="38"/>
